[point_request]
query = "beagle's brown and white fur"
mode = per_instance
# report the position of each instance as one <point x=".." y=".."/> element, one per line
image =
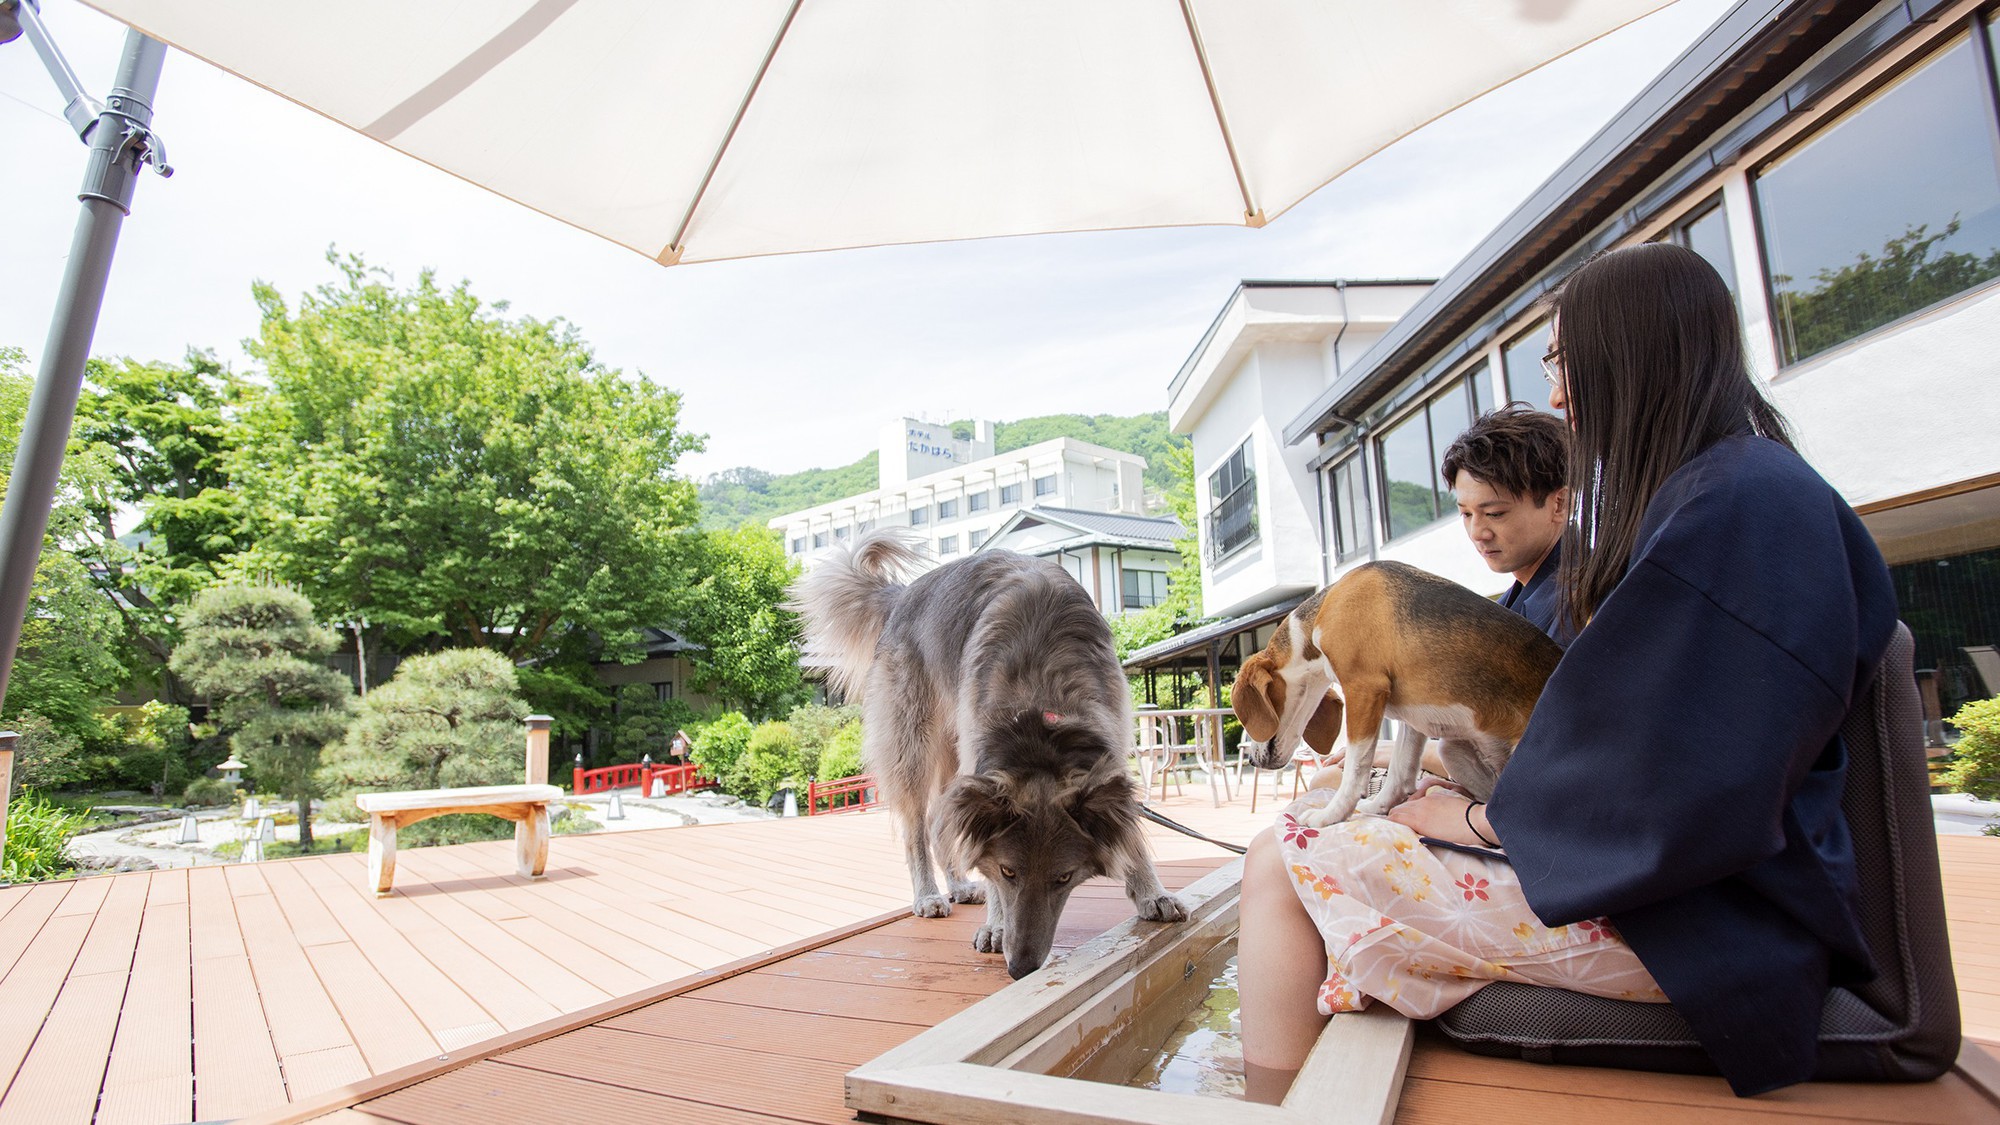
<point x="1390" y="640"/>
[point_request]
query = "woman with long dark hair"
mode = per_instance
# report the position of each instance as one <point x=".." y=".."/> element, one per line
<point x="1671" y="820"/>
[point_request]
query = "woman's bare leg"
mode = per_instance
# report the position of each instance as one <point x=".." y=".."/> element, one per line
<point x="1280" y="964"/>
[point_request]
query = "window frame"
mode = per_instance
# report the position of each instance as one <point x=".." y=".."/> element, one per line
<point x="1422" y="408"/>
<point x="1048" y="479"/>
<point x="1243" y="492"/>
<point x="947" y="545"/>
<point x="920" y="515"/>
<point x="1010" y="493"/>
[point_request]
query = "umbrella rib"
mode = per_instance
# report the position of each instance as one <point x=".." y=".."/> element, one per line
<point x="1252" y="215"/>
<point x="672" y="253"/>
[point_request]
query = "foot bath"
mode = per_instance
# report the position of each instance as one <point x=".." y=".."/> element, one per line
<point x="1081" y="1039"/>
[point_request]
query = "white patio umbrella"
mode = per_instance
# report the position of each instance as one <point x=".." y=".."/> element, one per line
<point x="695" y="130"/>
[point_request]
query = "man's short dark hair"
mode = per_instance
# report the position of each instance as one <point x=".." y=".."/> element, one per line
<point x="1515" y="449"/>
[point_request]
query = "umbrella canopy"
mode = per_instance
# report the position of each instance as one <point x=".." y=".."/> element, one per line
<point x="691" y="130"/>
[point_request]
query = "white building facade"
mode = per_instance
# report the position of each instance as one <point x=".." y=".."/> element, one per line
<point x="1274" y="347"/>
<point x="1840" y="166"/>
<point x="956" y="504"/>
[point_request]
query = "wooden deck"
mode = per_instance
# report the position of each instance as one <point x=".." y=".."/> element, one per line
<point x="475" y="995"/>
<point x="769" y="1041"/>
<point x="213" y="993"/>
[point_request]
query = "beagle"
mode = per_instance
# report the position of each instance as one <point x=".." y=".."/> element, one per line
<point x="1392" y="640"/>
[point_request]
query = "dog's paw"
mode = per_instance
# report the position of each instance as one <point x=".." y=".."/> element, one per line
<point x="968" y="892"/>
<point x="1323" y="816"/>
<point x="931" y="906"/>
<point x="987" y="940"/>
<point x="1378" y="804"/>
<point x="1163" y="908"/>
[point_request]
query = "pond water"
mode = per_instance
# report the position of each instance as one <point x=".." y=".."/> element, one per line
<point x="1204" y="1053"/>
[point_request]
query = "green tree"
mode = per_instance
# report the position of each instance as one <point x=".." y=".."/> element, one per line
<point x="450" y="718"/>
<point x="645" y="723"/>
<point x="169" y="433"/>
<point x="255" y="652"/>
<point x="1180" y="610"/>
<point x="458" y="478"/>
<point x="719" y="746"/>
<point x="68" y="661"/>
<point x="734" y="610"/>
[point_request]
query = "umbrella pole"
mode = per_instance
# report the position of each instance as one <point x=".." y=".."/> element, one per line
<point x="120" y="142"/>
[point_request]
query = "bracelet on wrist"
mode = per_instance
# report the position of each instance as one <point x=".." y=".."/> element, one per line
<point x="1474" y="827"/>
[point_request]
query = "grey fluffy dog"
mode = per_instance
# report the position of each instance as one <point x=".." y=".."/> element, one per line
<point x="995" y="719"/>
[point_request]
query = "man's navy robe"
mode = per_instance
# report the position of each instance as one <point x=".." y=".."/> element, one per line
<point x="1683" y="771"/>
<point x="1540" y="599"/>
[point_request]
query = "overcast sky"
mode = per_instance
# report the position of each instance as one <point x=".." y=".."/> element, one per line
<point x="787" y="362"/>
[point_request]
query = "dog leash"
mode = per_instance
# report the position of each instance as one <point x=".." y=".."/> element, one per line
<point x="1184" y="830"/>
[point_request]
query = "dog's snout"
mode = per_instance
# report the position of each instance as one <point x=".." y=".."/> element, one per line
<point x="1018" y="969"/>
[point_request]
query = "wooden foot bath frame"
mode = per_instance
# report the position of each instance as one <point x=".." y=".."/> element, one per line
<point x="1034" y="1050"/>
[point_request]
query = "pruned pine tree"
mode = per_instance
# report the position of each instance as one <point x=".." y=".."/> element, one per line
<point x="255" y="651"/>
<point x="450" y="718"/>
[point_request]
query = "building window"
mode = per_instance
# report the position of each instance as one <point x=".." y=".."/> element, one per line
<point x="920" y="516"/>
<point x="664" y="692"/>
<point x="840" y="533"/>
<point x="1010" y="494"/>
<point x="948" y="545"/>
<point x="864" y="527"/>
<point x="1706" y="232"/>
<point x="1232" y="514"/>
<point x="1143" y="588"/>
<point x="1891" y="208"/>
<point x="1414" y="496"/>
<point x="1045" y="486"/>
<point x="819" y="540"/>
<point x="947" y="509"/>
<point x="975" y="539"/>
<point x="1350" y="508"/>
<point x="978" y="501"/>
<point x="1521" y="361"/>
<point x="1480" y="381"/>
<point x="799" y="545"/>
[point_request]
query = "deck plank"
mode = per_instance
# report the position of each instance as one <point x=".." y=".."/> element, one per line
<point x="842" y="1039"/>
<point x="486" y="1092"/>
<point x="235" y="1062"/>
<point x="150" y="1077"/>
<point x="730" y="1077"/>
<point x="297" y="1008"/>
<point x="59" y="1068"/>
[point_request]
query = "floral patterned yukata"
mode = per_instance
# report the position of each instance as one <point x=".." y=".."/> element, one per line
<point x="1421" y="928"/>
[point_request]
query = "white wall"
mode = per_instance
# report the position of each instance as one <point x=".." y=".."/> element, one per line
<point x="1907" y="409"/>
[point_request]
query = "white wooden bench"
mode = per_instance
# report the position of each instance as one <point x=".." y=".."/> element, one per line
<point x="526" y="805"/>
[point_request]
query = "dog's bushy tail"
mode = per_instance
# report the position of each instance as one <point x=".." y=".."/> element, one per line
<point x="845" y="601"/>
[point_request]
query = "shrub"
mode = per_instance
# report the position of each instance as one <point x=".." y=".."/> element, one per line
<point x="208" y="792"/>
<point x="719" y="746"/>
<point x="769" y="762"/>
<point x="842" y="757"/>
<point x="645" y="724"/>
<point x="46" y="757"/>
<point x="37" y="834"/>
<point x="450" y="718"/>
<point x="1975" y="765"/>
<point x="815" y="727"/>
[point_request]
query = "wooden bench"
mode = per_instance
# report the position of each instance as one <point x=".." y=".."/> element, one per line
<point x="526" y="805"/>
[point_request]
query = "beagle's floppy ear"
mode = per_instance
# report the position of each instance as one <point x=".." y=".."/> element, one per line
<point x="1258" y="698"/>
<point x="1323" y="729"/>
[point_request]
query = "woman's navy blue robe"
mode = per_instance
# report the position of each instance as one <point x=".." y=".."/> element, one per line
<point x="1683" y="771"/>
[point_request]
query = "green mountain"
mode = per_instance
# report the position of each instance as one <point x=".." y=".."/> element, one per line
<point x="752" y="496"/>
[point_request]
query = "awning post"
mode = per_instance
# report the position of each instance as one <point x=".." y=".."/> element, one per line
<point x="120" y="143"/>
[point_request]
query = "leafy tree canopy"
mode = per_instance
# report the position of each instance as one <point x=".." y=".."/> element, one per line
<point x="455" y="477"/>
<point x="735" y="610"/>
<point x="68" y="662"/>
<point x="169" y="433"/>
